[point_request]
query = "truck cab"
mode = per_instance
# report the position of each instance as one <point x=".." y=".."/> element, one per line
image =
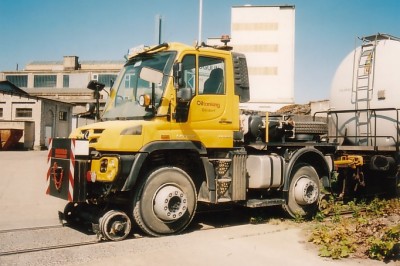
<point x="200" y="102"/>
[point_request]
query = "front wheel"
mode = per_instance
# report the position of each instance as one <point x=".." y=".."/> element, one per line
<point x="304" y="191"/>
<point x="165" y="202"/>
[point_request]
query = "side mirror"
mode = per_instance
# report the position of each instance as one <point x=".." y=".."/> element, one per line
<point x="95" y="85"/>
<point x="178" y="75"/>
<point x="151" y="75"/>
<point x="184" y="94"/>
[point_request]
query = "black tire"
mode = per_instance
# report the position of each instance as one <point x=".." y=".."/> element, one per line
<point x="165" y="202"/>
<point x="304" y="192"/>
<point x="319" y="128"/>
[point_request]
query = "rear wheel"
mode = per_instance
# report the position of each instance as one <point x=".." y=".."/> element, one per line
<point x="304" y="192"/>
<point x="165" y="202"/>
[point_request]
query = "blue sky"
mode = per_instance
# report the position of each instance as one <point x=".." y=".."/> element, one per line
<point x="104" y="30"/>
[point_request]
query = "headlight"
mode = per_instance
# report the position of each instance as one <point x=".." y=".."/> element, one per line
<point x="104" y="169"/>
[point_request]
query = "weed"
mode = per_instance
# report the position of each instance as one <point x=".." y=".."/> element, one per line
<point x="381" y="248"/>
<point x="373" y="230"/>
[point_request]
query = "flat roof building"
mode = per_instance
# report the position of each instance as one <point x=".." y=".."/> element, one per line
<point x="65" y="80"/>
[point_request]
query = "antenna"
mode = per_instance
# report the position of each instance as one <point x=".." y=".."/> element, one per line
<point x="158" y="28"/>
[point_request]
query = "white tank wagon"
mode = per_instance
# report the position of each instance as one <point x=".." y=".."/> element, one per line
<point x="365" y="94"/>
<point x="364" y="118"/>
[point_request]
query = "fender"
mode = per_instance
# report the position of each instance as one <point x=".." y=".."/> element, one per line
<point x="314" y="158"/>
<point x="141" y="156"/>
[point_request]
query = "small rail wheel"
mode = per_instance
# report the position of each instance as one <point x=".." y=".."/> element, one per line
<point x="304" y="192"/>
<point x="165" y="202"/>
<point x="115" y="225"/>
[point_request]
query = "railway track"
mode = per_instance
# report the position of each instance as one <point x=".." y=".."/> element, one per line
<point x="29" y="250"/>
<point x="30" y="228"/>
<point x="98" y="240"/>
<point x="45" y="248"/>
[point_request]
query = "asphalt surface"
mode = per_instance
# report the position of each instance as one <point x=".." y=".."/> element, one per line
<point x="23" y="203"/>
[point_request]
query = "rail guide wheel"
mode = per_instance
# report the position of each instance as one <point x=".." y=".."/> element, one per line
<point x="115" y="225"/>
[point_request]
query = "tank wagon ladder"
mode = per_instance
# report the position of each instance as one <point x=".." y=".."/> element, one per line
<point x="364" y="85"/>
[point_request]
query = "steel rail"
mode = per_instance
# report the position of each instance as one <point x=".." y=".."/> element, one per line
<point x="30" y="228"/>
<point x="30" y="250"/>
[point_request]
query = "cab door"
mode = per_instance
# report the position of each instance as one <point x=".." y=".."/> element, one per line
<point x="210" y="114"/>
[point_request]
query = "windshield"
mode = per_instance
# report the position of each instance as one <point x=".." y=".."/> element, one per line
<point x="129" y="87"/>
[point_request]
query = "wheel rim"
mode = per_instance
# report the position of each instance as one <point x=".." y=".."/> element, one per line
<point x="305" y="191"/>
<point x="170" y="203"/>
<point x="115" y="225"/>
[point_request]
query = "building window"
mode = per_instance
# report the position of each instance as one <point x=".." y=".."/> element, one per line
<point x="62" y="116"/>
<point x="1" y="112"/>
<point x="45" y="81"/>
<point x="20" y="81"/>
<point x="107" y="79"/>
<point x="66" y="81"/>
<point x="23" y="112"/>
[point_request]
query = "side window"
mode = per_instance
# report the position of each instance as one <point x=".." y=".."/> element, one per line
<point x="211" y="75"/>
<point x="189" y="72"/>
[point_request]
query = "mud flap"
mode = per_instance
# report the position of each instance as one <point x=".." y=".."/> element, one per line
<point x="67" y="167"/>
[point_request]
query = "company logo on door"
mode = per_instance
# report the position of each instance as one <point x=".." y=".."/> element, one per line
<point x="208" y="106"/>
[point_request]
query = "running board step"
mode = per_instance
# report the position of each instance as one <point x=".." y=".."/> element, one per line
<point x="256" y="203"/>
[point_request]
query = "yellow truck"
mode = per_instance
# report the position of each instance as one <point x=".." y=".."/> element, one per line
<point x="172" y="135"/>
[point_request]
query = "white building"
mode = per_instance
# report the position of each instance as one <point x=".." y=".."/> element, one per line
<point x="266" y="35"/>
<point x="38" y="118"/>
